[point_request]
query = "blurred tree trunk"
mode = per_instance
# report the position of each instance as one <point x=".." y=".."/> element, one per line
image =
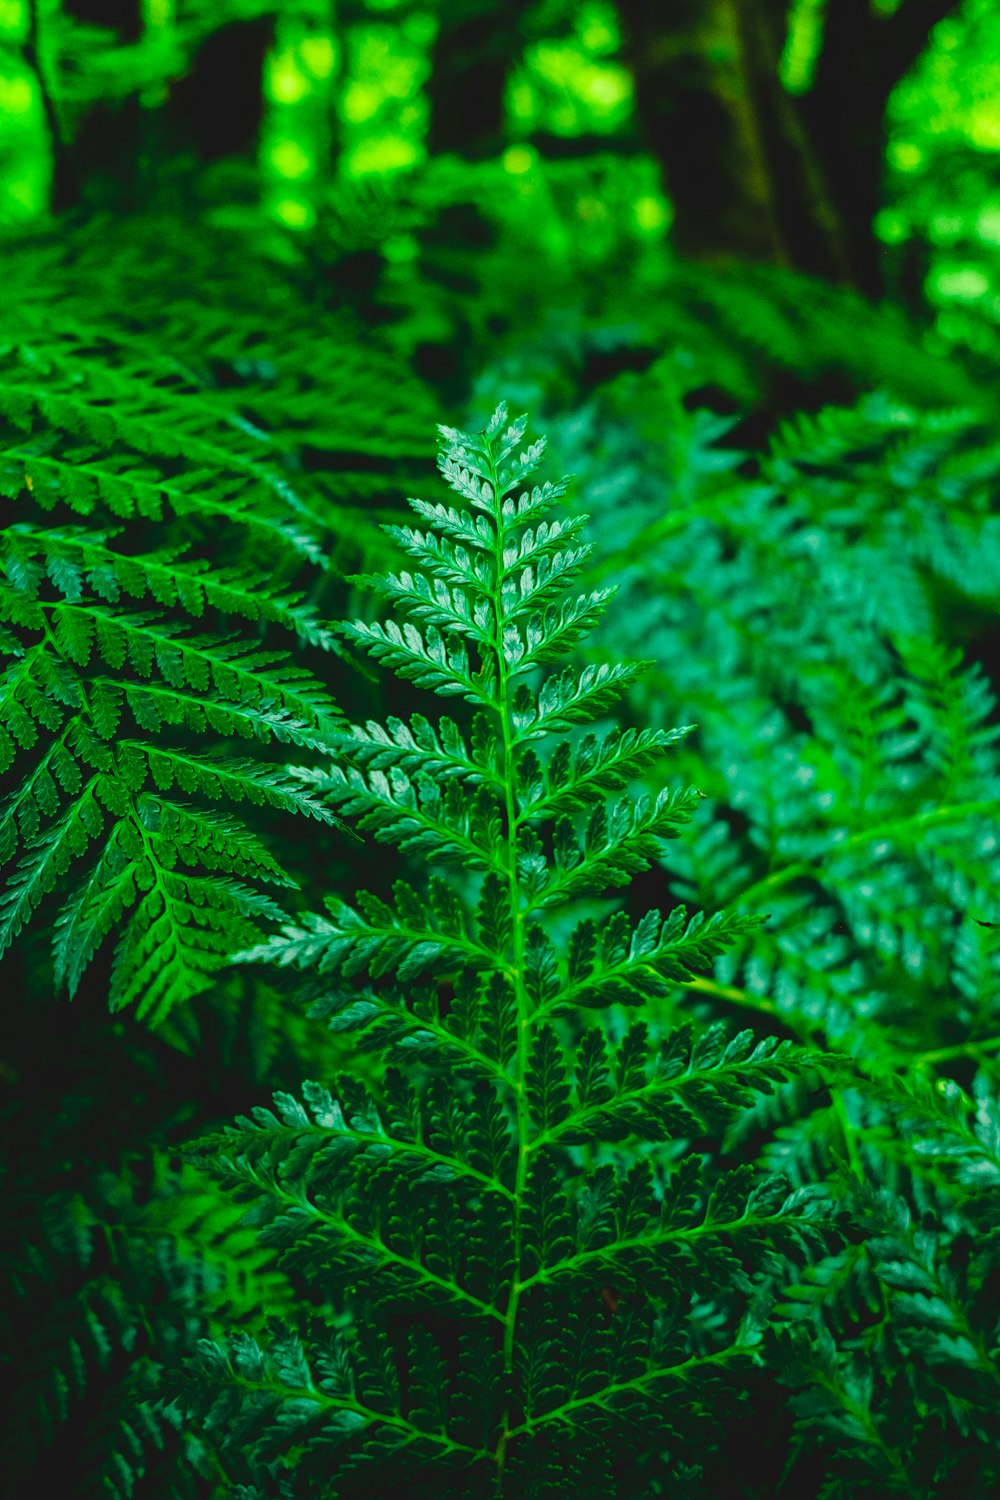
<point x="755" y="173"/>
<point x="477" y="44"/>
<point x="102" y="151"/>
<point x="214" y="110"/>
<point x="218" y="105"/>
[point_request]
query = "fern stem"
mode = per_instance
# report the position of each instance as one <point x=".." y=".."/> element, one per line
<point x="521" y="1001"/>
<point x="346" y="1231"/>
<point x="804" y="1028"/>
<point x="13" y="805"/>
<point x="148" y="495"/>
<point x="951" y="1054"/>
<point x="743" y="998"/>
<point x="895" y="826"/>
<point x="637" y="1383"/>
<point x="319" y="1398"/>
<point x="636" y="552"/>
<point x="848" y="1133"/>
<point x="648" y="1241"/>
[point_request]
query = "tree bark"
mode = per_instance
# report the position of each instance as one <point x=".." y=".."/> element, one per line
<point x="755" y="173"/>
<point x="477" y="43"/>
<point x="218" y="105"/>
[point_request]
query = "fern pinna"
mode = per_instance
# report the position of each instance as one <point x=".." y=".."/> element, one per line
<point x="515" y="1249"/>
<point x="127" y="661"/>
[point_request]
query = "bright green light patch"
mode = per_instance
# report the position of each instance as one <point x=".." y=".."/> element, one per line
<point x="399" y="249"/>
<point x="360" y="101"/>
<point x="286" y="82"/>
<point x="959" y="327"/>
<point x="803" y="42"/>
<point x="560" y="88"/>
<point x="988" y="224"/>
<point x="319" y="55"/>
<point x="607" y="87"/>
<point x="289" y="159"/>
<point x="597" y="28"/>
<point x="958" y="284"/>
<point x="946" y="228"/>
<point x="519" y="159"/>
<point x="24" y="193"/>
<point x="905" y="156"/>
<point x="890" y="226"/>
<point x="13" y="20"/>
<point x="651" y="214"/>
<point x="557" y="63"/>
<point x="420" y="28"/>
<point x="381" y="64"/>
<point x="157" y="13"/>
<point x="25" y="196"/>
<point x="16" y="95"/>
<point x="385" y="153"/>
<point x="295" y="212"/>
<point x="383" y="111"/>
<point x="983" y="126"/>
<point x="521" y="99"/>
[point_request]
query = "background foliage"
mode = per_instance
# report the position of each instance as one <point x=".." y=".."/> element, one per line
<point x="770" y="359"/>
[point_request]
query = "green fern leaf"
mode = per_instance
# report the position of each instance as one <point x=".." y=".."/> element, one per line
<point x="447" y="1208"/>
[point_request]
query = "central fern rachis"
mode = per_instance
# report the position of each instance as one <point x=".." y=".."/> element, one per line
<point x="527" y="1253"/>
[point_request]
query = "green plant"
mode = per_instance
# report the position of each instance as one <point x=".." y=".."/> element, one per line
<point x="108" y="1284"/>
<point x="798" y="604"/>
<point x="512" y="1245"/>
<point x="189" y="458"/>
<point x="115" y="1256"/>
<point x="113" y="674"/>
<point x="148" y="672"/>
<point x="208" y="408"/>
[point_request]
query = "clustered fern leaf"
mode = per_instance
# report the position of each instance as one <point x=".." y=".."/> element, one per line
<point x="130" y="670"/>
<point x="849" y="760"/>
<point x="109" y="1281"/>
<point x="516" y="1291"/>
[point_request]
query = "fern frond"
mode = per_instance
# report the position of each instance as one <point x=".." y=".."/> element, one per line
<point x="119" y="685"/>
<point x="108" y="1282"/>
<point x="448" y="1207"/>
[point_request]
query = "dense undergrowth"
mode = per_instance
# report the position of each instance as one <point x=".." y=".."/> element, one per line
<point x="814" y="607"/>
<point x="614" y="1058"/>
